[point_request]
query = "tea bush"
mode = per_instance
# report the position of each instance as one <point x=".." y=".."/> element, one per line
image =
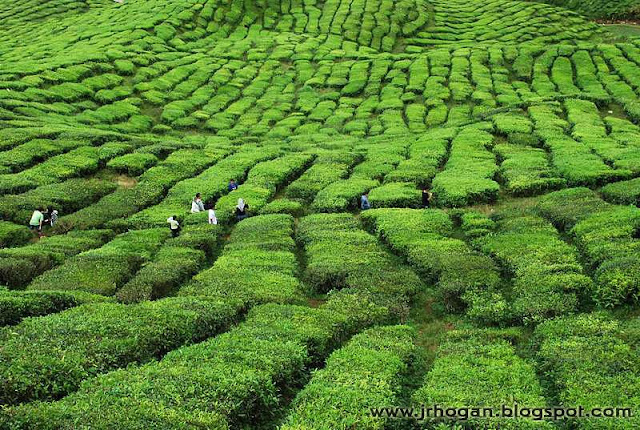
<point x="341" y="255"/>
<point x="547" y="277"/>
<point x="176" y="261"/>
<point x="18" y="266"/>
<point x="16" y="305"/>
<point x="468" y="174"/>
<point x="47" y="357"/>
<point x="258" y="265"/>
<point x="104" y="270"/>
<point x="463" y="278"/>
<point x="610" y="366"/>
<point x="363" y="374"/>
<point x="13" y="235"/>
<point x="117" y="114"/>
<point x="500" y="377"/>
<point x="623" y="193"/>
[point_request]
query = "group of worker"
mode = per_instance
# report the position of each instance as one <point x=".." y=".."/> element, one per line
<point x="198" y="205"/>
<point x="43" y="217"/>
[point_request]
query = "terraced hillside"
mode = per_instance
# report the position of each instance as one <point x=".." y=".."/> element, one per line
<point x="519" y="284"/>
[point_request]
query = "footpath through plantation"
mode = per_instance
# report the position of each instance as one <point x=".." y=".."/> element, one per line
<point x="304" y="215"/>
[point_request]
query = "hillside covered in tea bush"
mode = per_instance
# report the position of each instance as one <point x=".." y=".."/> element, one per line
<point x="520" y="283"/>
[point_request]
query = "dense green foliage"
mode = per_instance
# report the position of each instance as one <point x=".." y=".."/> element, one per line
<point x="365" y="373"/>
<point x="610" y="368"/>
<point x="256" y="266"/>
<point x="499" y="377"/>
<point x="498" y="142"/>
<point x="45" y="358"/>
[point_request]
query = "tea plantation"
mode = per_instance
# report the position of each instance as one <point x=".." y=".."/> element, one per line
<point x="519" y="284"/>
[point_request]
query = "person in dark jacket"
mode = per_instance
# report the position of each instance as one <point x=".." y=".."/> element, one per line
<point x="426" y="198"/>
<point x="241" y="210"/>
<point x="232" y="185"/>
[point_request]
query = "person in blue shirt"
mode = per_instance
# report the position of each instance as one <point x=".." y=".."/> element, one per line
<point x="364" y="202"/>
<point x="232" y="185"/>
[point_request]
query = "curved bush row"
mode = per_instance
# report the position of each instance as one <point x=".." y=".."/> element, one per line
<point x="251" y="93"/>
<point x="18" y="266"/>
<point x="13" y="235"/>
<point x="621" y="152"/>
<point x="463" y="24"/>
<point x="48" y="357"/>
<point x="382" y="156"/>
<point x="36" y="151"/>
<point x="16" y="305"/>
<point x="66" y="197"/>
<point x="565" y="208"/>
<point x="151" y="187"/>
<point x="623" y="193"/>
<point x="258" y="265"/>
<point x="603" y="9"/>
<point x="395" y="194"/>
<point x="323" y="172"/>
<point x="234" y="378"/>
<point x="341" y="255"/>
<point x="247" y="369"/>
<point x="77" y="162"/>
<point x="104" y="270"/>
<point x="573" y="160"/>
<point x="426" y="155"/>
<point x="499" y="377"/>
<point x="547" y="277"/>
<point x="463" y="278"/>
<point x="133" y="164"/>
<point x="606" y="235"/>
<point x="475" y="225"/>
<point x="14" y="136"/>
<point x="212" y="184"/>
<point x="283" y="206"/>
<point x="468" y="174"/>
<point x="365" y="373"/>
<point x="607" y="375"/>
<point x="342" y="195"/>
<point x="380" y="159"/>
<point x="176" y="261"/>
<point x="610" y="242"/>
<point x="526" y="170"/>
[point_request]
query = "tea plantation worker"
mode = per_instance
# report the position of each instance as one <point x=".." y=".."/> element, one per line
<point x="197" y="204"/>
<point x="53" y="216"/>
<point x="37" y="218"/>
<point x="426" y="198"/>
<point x="212" y="216"/>
<point x="364" y="202"/>
<point x="241" y="210"/>
<point x="232" y="185"/>
<point x="174" y="225"/>
<point x="46" y="217"/>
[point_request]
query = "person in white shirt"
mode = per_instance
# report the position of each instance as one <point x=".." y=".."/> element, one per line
<point x="197" y="205"/>
<point x="212" y="216"/>
<point x="174" y="226"/>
